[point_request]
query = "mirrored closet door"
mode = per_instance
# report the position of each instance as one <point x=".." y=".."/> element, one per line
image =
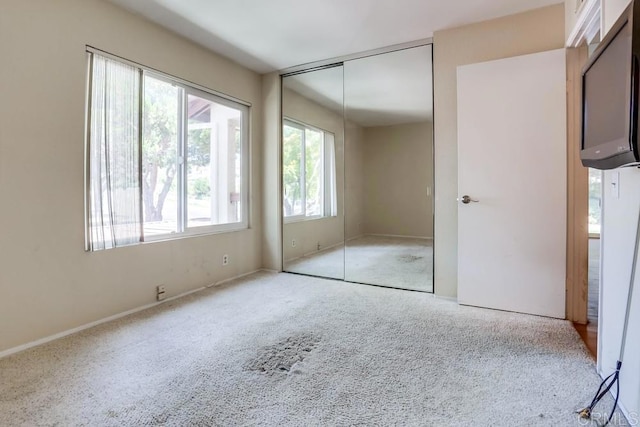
<point x="357" y="165"/>
<point x="389" y="169"/>
<point x="313" y="173"/>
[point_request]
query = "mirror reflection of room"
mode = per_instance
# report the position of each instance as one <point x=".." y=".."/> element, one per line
<point x="389" y="169"/>
<point x="357" y="170"/>
<point x="313" y="173"/>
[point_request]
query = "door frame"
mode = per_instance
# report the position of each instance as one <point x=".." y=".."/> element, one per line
<point x="477" y="275"/>
<point x="577" y="194"/>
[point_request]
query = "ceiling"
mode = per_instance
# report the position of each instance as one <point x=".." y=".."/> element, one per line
<point x="382" y="90"/>
<point x="269" y="35"/>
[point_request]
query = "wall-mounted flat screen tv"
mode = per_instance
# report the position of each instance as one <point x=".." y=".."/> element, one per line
<point x="610" y="96"/>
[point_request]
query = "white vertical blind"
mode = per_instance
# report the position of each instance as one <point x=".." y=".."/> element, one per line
<point x="331" y="184"/>
<point x="121" y="105"/>
<point x="114" y="195"/>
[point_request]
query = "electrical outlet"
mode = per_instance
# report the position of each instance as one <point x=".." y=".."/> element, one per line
<point x="293" y="243"/>
<point x="161" y="293"/>
<point x="225" y="259"/>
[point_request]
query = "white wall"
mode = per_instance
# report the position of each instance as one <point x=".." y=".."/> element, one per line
<point x="48" y="283"/>
<point x="534" y="31"/>
<point x="619" y="222"/>
<point x="398" y="169"/>
<point x="354" y="180"/>
<point x="620" y="215"/>
<point x="271" y="173"/>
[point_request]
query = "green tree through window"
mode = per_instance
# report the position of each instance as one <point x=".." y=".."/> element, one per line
<point x="304" y="171"/>
<point x="166" y="157"/>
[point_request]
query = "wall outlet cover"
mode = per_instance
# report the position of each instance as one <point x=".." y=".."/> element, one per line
<point x="160" y="292"/>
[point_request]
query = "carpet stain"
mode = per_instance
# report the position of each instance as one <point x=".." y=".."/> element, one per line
<point x="409" y="258"/>
<point x="280" y="358"/>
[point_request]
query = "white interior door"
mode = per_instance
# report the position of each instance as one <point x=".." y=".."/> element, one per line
<point x="512" y="160"/>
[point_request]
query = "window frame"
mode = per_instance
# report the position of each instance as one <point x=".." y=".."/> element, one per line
<point x="327" y="190"/>
<point x="187" y="88"/>
<point x="181" y="171"/>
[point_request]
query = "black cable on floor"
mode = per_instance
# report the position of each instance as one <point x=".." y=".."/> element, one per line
<point x="602" y="391"/>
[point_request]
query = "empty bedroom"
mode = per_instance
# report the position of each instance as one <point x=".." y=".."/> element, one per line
<point x="315" y="213"/>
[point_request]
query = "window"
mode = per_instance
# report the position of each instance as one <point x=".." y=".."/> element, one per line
<point x="165" y="159"/>
<point x="308" y="161"/>
<point x="595" y="201"/>
<point x="191" y="159"/>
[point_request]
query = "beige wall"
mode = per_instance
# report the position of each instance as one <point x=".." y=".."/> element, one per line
<point x="398" y="170"/>
<point x="329" y="231"/>
<point x="271" y="173"/>
<point x="530" y="32"/>
<point x="354" y="180"/>
<point x="48" y="283"/>
<point x="311" y="236"/>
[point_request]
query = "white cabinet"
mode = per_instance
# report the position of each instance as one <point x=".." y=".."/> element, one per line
<point x="587" y="21"/>
<point x="583" y="21"/>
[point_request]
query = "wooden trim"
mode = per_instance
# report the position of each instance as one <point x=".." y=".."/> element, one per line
<point x="589" y="335"/>
<point x="577" y="194"/>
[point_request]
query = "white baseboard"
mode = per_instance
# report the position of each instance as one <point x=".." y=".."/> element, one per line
<point x="398" y="236"/>
<point x="304" y="255"/>
<point x="269" y="270"/>
<point x="293" y="259"/>
<point x="231" y="279"/>
<point x="72" y="331"/>
<point x="326" y="248"/>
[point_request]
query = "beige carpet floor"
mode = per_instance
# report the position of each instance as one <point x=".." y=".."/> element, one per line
<point x="289" y="350"/>
<point x="391" y="261"/>
<point x="403" y="262"/>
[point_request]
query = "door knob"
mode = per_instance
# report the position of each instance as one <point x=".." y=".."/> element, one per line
<point x="466" y="200"/>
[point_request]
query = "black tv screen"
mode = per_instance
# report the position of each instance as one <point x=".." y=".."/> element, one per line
<point x="609" y="110"/>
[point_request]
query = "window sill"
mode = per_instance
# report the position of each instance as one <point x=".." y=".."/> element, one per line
<point x="176" y="236"/>
<point x="292" y="220"/>
<point x="195" y="232"/>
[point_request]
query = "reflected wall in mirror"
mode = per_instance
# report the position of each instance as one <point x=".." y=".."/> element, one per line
<point x="388" y="102"/>
<point x="313" y="173"/>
